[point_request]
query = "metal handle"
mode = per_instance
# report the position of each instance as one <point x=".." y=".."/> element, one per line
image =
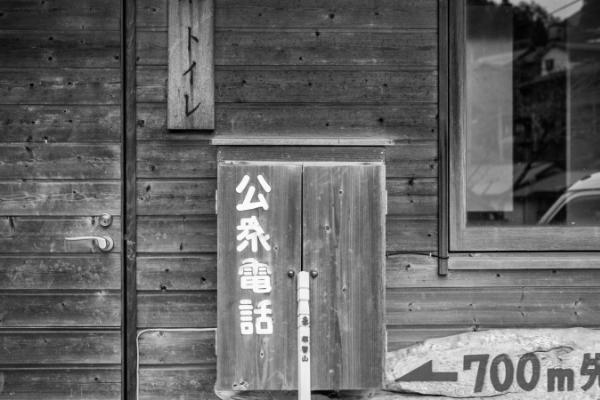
<point x="104" y="243"/>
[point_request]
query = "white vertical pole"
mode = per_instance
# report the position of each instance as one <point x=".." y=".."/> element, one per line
<point x="303" y="336"/>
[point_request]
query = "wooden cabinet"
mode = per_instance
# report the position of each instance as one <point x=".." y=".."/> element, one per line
<point x="274" y="220"/>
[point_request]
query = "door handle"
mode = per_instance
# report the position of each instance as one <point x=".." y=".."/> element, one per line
<point x="104" y="243"/>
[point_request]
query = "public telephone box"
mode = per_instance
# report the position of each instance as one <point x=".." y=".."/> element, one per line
<point x="275" y="219"/>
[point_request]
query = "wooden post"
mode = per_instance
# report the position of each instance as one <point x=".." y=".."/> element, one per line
<point x="191" y="70"/>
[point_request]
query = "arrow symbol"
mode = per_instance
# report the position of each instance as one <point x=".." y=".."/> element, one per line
<point x="425" y="373"/>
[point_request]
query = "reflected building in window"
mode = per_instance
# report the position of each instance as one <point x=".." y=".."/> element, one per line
<point x="533" y="103"/>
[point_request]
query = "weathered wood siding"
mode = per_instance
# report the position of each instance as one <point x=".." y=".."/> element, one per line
<point x="290" y="69"/>
<point x="60" y="168"/>
<point x="316" y="68"/>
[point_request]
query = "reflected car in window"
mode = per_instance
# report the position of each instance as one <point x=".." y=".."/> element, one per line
<point x="578" y="205"/>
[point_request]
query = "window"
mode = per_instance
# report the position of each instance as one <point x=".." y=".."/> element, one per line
<point x="525" y="131"/>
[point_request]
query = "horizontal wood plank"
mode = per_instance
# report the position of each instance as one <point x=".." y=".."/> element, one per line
<point x="383" y="14"/>
<point x="59" y="198"/>
<point x="177" y="348"/>
<point x="174" y="197"/>
<point x="412" y="205"/>
<point x="79" y="15"/>
<point x="406" y="270"/>
<point x="177" y="273"/>
<point x="399" y="338"/>
<point x="62" y="384"/>
<point x="60" y="86"/>
<point x="176" y="160"/>
<point x="396" y="122"/>
<point x="178" y="384"/>
<point x="305" y="47"/>
<point x="411" y="186"/>
<point x="177" y="234"/>
<point x="177" y="310"/>
<point x="27" y="272"/>
<point x="47" y="235"/>
<point x="94" y="309"/>
<point x="95" y="49"/>
<point x="60" y="161"/>
<point x="524" y="261"/>
<point x="410" y="160"/>
<point x="60" y="123"/>
<point x="312" y="85"/>
<point x="494" y="307"/>
<point x="47" y="347"/>
<point x="411" y="234"/>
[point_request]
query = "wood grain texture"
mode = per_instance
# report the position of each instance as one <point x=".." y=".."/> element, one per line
<point x="60" y="198"/>
<point x="344" y="241"/>
<point x="401" y="337"/>
<point x="171" y="273"/>
<point x="46" y="272"/>
<point x="191" y="83"/>
<point x="409" y="234"/>
<point x="47" y="235"/>
<point x="61" y="384"/>
<point x="494" y="307"/>
<point x="179" y="234"/>
<point x="262" y="362"/>
<point x="410" y="160"/>
<point x="77" y="15"/>
<point x="416" y="121"/>
<point x="185" y="160"/>
<point x="60" y="161"/>
<point x="184" y="234"/>
<point x="197" y="197"/>
<point x="304" y="85"/>
<point x="525" y="261"/>
<point x="49" y="124"/>
<point x="405" y="270"/>
<point x="93" y="309"/>
<point x="129" y="204"/>
<point x="183" y="383"/>
<point x="48" y="347"/>
<point x="305" y="47"/>
<point x="176" y="197"/>
<point x="385" y="14"/>
<point x="301" y="154"/>
<point x="96" y="49"/>
<point x="177" y="310"/>
<point x="169" y="348"/>
<point x="59" y="86"/>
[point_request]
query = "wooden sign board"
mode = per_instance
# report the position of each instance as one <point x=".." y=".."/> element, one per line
<point x="258" y="243"/>
<point x="191" y="67"/>
<point x="325" y="218"/>
<point x="512" y="363"/>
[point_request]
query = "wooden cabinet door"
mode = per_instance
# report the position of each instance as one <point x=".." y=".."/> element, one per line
<point x="344" y="242"/>
<point x="252" y="360"/>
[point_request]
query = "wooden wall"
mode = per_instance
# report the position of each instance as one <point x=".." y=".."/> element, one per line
<point x="60" y="167"/>
<point x="296" y="69"/>
<point x="334" y="68"/>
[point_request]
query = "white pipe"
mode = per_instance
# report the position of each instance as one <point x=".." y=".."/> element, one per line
<point x="303" y="336"/>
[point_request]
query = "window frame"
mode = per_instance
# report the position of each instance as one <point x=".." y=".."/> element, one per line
<point x="481" y="239"/>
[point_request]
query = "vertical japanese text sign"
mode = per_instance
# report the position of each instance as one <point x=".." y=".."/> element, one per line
<point x="191" y="69"/>
<point x="259" y="241"/>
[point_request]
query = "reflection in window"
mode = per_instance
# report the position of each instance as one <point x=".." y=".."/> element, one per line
<point x="532" y="111"/>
